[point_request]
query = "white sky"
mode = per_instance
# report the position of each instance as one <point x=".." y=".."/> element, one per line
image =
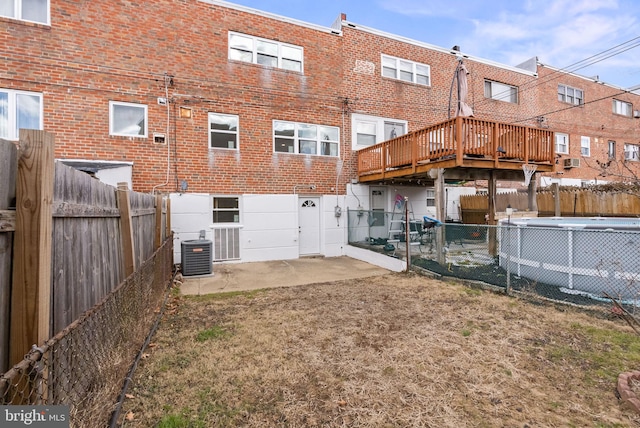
<point x="559" y="32"/>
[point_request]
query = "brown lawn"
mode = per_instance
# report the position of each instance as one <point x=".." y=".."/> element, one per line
<point x="391" y="351"/>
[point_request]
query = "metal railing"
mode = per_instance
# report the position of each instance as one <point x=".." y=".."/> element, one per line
<point x="567" y="262"/>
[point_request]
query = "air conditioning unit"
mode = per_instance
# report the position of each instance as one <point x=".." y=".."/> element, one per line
<point x="197" y="257"/>
<point x="636" y="114"/>
<point x="572" y="163"/>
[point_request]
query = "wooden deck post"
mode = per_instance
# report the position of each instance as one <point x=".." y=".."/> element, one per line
<point x="459" y="143"/>
<point x="31" y="291"/>
<point x="126" y="229"/>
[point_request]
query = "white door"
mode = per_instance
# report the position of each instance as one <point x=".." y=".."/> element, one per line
<point x="377" y="217"/>
<point x="309" y="225"/>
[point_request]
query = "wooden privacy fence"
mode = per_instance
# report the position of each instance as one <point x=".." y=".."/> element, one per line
<point x="571" y="203"/>
<point x="66" y="241"/>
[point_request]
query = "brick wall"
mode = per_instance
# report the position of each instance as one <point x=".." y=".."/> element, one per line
<point x="104" y="50"/>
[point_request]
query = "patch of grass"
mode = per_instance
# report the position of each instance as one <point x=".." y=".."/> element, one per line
<point x="212" y="333"/>
<point x="181" y="420"/>
<point x="466" y="332"/>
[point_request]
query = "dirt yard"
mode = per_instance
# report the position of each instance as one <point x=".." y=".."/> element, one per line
<point x="389" y="351"/>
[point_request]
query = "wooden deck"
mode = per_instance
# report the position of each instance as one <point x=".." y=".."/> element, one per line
<point x="483" y="146"/>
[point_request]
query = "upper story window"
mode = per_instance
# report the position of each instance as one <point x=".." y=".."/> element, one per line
<point x="631" y="152"/>
<point x="406" y="70"/>
<point x="500" y="91"/>
<point x="127" y="119"/>
<point x="562" y="143"/>
<point x="19" y="110"/>
<point x="370" y="130"/>
<point x="570" y="95"/>
<point x="585" y="146"/>
<point x="265" y="52"/>
<point x="223" y="131"/>
<point x="26" y="10"/>
<point x="304" y="138"/>
<point x="622" y="107"/>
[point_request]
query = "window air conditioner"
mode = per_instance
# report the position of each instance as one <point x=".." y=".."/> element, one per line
<point x="636" y="114"/>
<point x="572" y="163"/>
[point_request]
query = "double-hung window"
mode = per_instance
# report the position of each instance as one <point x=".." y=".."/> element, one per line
<point x="409" y="71"/>
<point x="500" y="91"/>
<point x="26" y="10"/>
<point x="622" y="107"/>
<point x="631" y="152"/>
<point x="127" y="119"/>
<point x="19" y="110"/>
<point x="570" y="95"/>
<point x="562" y="143"/>
<point x="305" y="138"/>
<point x="223" y="131"/>
<point x="585" y="146"/>
<point x="370" y="130"/>
<point x="265" y="52"/>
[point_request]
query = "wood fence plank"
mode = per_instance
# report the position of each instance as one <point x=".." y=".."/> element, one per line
<point x="126" y="229"/>
<point x="31" y="293"/>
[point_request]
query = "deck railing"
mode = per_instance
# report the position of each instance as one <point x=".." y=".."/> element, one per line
<point x="480" y="139"/>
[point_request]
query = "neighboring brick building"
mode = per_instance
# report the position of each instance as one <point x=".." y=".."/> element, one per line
<point x="252" y="121"/>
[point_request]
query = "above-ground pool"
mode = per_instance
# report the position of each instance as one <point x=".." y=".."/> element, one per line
<point x="597" y="256"/>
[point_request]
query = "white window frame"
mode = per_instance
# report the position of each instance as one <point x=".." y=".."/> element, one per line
<point x="431" y="198"/>
<point x="18" y="14"/>
<point x="631" y="152"/>
<point x="498" y="91"/>
<point x="585" y="146"/>
<point x="297" y="138"/>
<point x="280" y="56"/>
<point x="562" y="140"/>
<point x="379" y="123"/>
<point x="112" y="132"/>
<point x="570" y="95"/>
<point x="12" y="112"/>
<point x="619" y="108"/>
<point x="399" y="65"/>
<point x="235" y="133"/>
<point x="215" y="209"/>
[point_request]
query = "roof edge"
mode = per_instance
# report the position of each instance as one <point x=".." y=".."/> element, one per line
<point x="437" y="48"/>
<point x="270" y="15"/>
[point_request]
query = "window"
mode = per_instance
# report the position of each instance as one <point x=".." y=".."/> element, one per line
<point x="570" y="95"/>
<point x="265" y="52"/>
<point x="631" y="152"/>
<point x="500" y="91"/>
<point x="408" y="71"/>
<point x="226" y="210"/>
<point x="612" y="149"/>
<point x="562" y="143"/>
<point x="127" y="119"/>
<point x="19" y="110"/>
<point x="26" y="10"/>
<point x="369" y="130"/>
<point x="621" y="107"/>
<point x="431" y="198"/>
<point x="585" y="146"/>
<point x="304" y="138"/>
<point x="223" y="131"/>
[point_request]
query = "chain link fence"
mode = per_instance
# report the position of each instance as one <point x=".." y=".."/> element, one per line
<point x="586" y="261"/>
<point x="85" y="365"/>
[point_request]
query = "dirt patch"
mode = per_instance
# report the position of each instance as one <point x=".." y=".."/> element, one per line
<point x="390" y="351"/>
